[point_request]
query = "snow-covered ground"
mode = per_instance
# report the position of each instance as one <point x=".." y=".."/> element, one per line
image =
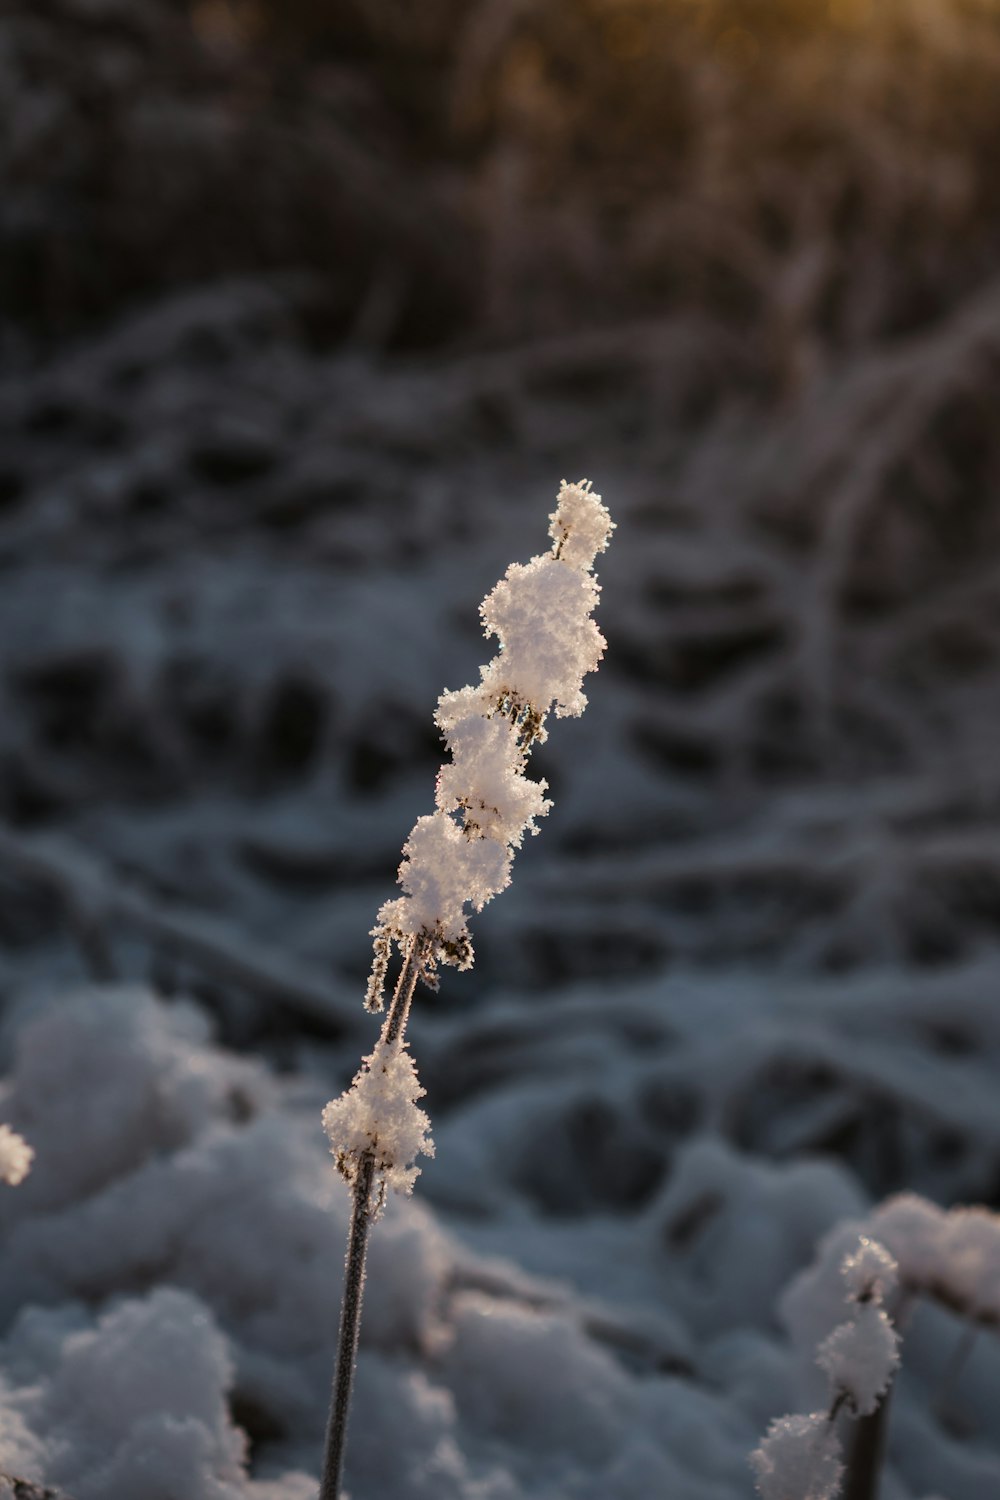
<point x="741" y="988"/>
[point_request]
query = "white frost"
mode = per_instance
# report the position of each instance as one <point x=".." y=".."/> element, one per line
<point x="869" y="1272"/>
<point x="541" y="613"/>
<point x="486" y="780"/>
<point x="580" y="525"/>
<point x="460" y="856"/>
<point x="971" y="1271"/>
<point x="442" y="869"/>
<point x="379" y="1114"/>
<point x="15" y="1156"/>
<point x="860" y="1357"/>
<point x="799" y="1459"/>
<point x="916" y="1233"/>
<point x="953" y="1255"/>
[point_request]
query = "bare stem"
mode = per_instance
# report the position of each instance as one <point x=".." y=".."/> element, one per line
<point x="350" y="1323"/>
<point x="836" y="1406"/>
<point x="399" y="1010"/>
<point x="866" y="1453"/>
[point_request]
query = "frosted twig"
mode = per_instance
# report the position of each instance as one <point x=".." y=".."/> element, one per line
<point x="399" y="1011"/>
<point x="350" y="1324"/>
<point x="799" y="1458"/>
<point x="951" y="1257"/>
<point x="456" y="857"/>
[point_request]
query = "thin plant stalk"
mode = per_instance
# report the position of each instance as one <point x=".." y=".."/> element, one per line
<point x="862" y="1479"/>
<point x="350" y="1324"/>
<point x="456" y="857"/>
<point x="362" y="1217"/>
<point x="399" y="1009"/>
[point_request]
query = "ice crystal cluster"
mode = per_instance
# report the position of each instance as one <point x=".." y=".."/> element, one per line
<point x="15" y="1156"/>
<point x="953" y="1255"/>
<point x="799" y="1459"/>
<point x="379" y="1113"/>
<point x="861" y="1353"/>
<point x="459" y="856"/>
<point x="949" y="1255"/>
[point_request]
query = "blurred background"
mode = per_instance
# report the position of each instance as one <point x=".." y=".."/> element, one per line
<point x="306" y="309"/>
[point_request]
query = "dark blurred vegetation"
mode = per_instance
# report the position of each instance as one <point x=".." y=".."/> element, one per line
<point x="814" y="173"/>
<point x="737" y="259"/>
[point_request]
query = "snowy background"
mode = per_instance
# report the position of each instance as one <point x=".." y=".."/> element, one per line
<point x="306" y="310"/>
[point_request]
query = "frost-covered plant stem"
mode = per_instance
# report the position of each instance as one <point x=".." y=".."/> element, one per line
<point x="415" y="957"/>
<point x="799" y="1458"/>
<point x="363" y="1215"/>
<point x="950" y="1257"/>
<point x="457" y="857"/>
<point x="362" y="1218"/>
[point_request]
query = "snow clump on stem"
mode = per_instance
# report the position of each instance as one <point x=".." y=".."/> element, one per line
<point x="379" y="1115"/>
<point x="16" y="1156"/>
<point x="799" y="1458"/>
<point x="460" y="855"/>
<point x="456" y="857"/>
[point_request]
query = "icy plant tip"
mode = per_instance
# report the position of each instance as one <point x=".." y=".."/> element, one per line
<point x="460" y="855"/>
<point x="16" y="1156"/>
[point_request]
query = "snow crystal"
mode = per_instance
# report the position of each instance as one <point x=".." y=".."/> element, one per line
<point x="861" y="1353"/>
<point x="870" y="1272"/>
<point x="954" y="1255"/>
<point x="799" y="1459"/>
<point x="15" y="1156"/>
<point x="443" y="868"/>
<point x="971" y="1266"/>
<point x="486" y="780"/>
<point x="379" y="1114"/>
<point x="915" y="1232"/>
<point x="813" y="1301"/>
<point x="860" y="1356"/>
<point x="580" y="525"/>
<point x="457" y="704"/>
<point x="541" y="613"/>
